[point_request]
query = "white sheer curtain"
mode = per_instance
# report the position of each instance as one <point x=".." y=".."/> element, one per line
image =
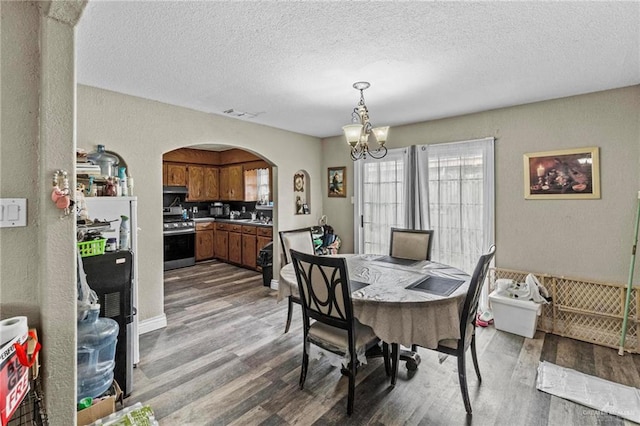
<point x="381" y="200"/>
<point x="460" y="194"/>
<point x="457" y="182"/>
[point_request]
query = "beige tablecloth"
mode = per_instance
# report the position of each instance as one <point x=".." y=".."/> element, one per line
<point x="397" y="314"/>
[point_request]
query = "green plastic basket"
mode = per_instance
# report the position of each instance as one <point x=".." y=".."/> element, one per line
<point x="92" y="248"/>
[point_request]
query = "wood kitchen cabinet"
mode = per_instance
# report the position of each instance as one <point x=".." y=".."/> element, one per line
<point x="174" y="174"/>
<point x="202" y="183"/>
<point x="235" y="244"/>
<point x="195" y="183"/>
<point x="249" y="252"/>
<point x="211" y="184"/>
<point x="231" y="183"/>
<point x="264" y="236"/>
<point x="221" y="242"/>
<point x="204" y="241"/>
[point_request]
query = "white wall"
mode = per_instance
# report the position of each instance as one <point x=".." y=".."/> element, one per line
<point x="581" y="238"/>
<point x="37" y="262"/>
<point x="141" y="131"/>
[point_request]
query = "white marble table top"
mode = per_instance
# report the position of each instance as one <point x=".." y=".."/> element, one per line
<point x="396" y="313"/>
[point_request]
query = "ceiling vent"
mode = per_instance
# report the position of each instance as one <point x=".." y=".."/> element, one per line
<point x="241" y="114"/>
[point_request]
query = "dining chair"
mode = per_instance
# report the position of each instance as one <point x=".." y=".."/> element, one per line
<point x="325" y="293"/>
<point x="458" y="347"/>
<point x="414" y="244"/>
<point x="302" y="241"/>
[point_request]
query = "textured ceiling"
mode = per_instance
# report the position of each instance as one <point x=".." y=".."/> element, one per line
<point x="293" y="63"/>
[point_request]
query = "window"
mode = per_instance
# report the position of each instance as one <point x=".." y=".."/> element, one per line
<point x="381" y="202"/>
<point x="256" y="185"/>
<point x="446" y="187"/>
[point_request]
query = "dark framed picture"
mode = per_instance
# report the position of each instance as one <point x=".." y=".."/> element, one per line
<point x="337" y="183"/>
<point x="563" y="174"/>
<point x="298" y="182"/>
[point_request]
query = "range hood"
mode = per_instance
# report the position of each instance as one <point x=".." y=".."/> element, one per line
<point x="175" y="190"/>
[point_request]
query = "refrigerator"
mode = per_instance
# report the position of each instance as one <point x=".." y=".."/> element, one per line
<point x="110" y="209"/>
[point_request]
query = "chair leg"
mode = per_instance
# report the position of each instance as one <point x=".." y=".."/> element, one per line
<point x="414" y="348"/>
<point x="289" y="312"/>
<point x="387" y="360"/>
<point x="474" y="356"/>
<point x="395" y="361"/>
<point x="352" y="384"/>
<point x="305" y="363"/>
<point x="462" y="377"/>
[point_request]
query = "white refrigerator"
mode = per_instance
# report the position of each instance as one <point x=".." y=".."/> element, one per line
<point x="111" y="209"/>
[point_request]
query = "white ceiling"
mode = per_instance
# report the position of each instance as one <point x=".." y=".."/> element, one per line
<point x="293" y="63"/>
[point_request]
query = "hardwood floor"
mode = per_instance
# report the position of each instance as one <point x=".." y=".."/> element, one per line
<point x="223" y="359"/>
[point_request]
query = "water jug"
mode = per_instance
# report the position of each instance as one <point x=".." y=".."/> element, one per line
<point x="97" y="339"/>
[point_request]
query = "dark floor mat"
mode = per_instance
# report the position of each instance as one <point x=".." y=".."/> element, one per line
<point x="437" y="285"/>
<point x="398" y="260"/>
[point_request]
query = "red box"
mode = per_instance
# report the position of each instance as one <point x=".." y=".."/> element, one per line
<point x="14" y="379"/>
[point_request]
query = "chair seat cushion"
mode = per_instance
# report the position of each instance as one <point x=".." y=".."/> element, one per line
<point x="336" y="339"/>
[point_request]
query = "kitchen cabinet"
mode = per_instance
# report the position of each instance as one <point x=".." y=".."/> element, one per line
<point x="249" y="252"/>
<point x="231" y="183"/>
<point x="174" y="174"/>
<point x="211" y="186"/>
<point x="202" y="183"/>
<point x="235" y="244"/>
<point x="195" y="183"/>
<point x="264" y="236"/>
<point x="204" y="241"/>
<point x="221" y="241"/>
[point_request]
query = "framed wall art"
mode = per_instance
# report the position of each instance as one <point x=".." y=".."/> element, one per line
<point x="337" y="182"/>
<point x="563" y="174"/>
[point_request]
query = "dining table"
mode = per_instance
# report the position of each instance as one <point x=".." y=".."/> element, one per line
<point x="406" y="302"/>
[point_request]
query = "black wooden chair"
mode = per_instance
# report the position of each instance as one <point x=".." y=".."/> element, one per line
<point x="458" y="347"/>
<point x="325" y="294"/>
<point x="414" y="244"/>
<point x="302" y="241"/>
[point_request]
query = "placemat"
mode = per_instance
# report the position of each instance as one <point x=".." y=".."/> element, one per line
<point x="437" y="285"/>
<point x="356" y="285"/>
<point x="398" y="260"/>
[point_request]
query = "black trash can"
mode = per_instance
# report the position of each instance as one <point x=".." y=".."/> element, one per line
<point x="265" y="261"/>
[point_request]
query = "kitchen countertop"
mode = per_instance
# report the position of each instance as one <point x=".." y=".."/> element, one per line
<point x="241" y="221"/>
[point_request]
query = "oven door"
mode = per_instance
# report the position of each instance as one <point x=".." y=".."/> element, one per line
<point x="179" y="249"/>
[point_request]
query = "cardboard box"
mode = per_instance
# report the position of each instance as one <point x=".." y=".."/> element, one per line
<point x="515" y="316"/>
<point x="101" y="408"/>
<point x="14" y="379"/>
<point x="97" y="411"/>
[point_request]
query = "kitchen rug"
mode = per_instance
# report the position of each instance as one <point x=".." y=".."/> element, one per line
<point x="590" y="391"/>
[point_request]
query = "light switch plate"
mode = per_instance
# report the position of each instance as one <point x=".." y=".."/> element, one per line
<point x="13" y="212"/>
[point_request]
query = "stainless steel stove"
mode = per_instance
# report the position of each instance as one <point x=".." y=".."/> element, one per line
<point x="179" y="237"/>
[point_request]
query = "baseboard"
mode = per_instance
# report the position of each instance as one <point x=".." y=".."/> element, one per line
<point x="274" y="284"/>
<point x="152" y="324"/>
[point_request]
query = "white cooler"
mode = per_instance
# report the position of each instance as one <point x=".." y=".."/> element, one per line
<point x="515" y="316"/>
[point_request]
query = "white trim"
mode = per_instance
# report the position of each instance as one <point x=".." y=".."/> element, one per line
<point x="152" y="324"/>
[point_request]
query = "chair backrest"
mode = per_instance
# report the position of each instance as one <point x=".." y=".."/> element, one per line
<point x="470" y="308"/>
<point x="323" y="283"/>
<point x="297" y="239"/>
<point x="412" y="244"/>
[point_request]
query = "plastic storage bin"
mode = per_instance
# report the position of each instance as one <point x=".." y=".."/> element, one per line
<point x="515" y="316"/>
<point x="97" y="339"/>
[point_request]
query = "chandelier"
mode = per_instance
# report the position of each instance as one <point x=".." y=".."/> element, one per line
<point x="357" y="134"/>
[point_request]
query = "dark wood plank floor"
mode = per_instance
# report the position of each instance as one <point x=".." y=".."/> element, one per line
<point x="223" y="359"/>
